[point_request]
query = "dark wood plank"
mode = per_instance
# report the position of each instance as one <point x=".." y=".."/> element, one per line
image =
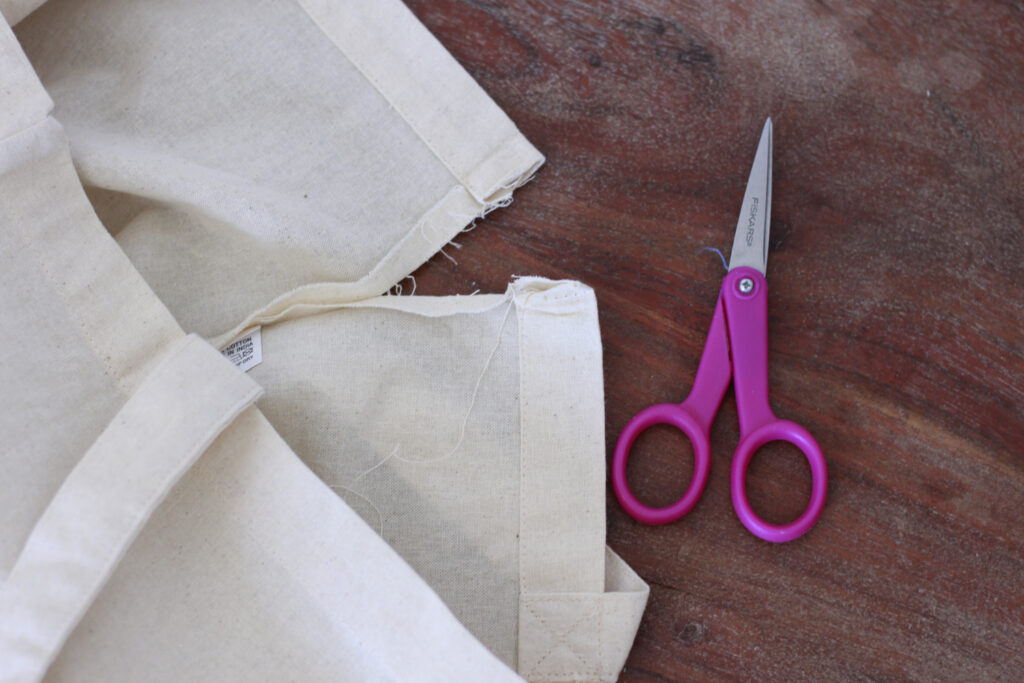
<point x="896" y="305"/>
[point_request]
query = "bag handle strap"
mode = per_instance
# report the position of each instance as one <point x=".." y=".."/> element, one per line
<point x="176" y="413"/>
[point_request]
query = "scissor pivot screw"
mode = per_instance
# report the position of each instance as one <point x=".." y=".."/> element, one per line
<point x="746" y="285"/>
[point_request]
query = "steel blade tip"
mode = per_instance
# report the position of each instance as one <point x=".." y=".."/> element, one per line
<point x="750" y="243"/>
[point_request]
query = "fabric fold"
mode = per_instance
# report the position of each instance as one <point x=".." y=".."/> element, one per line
<point x="582" y="636"/>
<point x="405" y="64"/>
<point x="469" y="432"/>
<point x="250" y="567"/>
<point x="172" y="418"/>
<point x="282" y="164"/>
<point x="580" y="604"/>
<point x="16" y="10"/>
<point x="272" y="151"/>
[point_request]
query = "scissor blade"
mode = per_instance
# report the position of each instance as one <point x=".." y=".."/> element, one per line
<point x="750" y="245"/>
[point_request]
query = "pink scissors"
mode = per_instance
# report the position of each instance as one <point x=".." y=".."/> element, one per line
<point x="736" y="350"/>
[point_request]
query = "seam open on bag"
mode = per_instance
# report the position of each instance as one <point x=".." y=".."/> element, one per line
<point x="496" y="161"/>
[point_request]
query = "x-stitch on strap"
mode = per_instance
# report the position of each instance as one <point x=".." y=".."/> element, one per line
<point x="579" y="603"/>
<point x="582" y="636"/>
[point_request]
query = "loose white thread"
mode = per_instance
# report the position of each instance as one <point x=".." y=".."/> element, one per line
<point x="429" y="231"/>
<point x="465" y="421"/>
<point x="397" y="289"/>
<point x="447" y="256"/>
<point x="392" y="454"/>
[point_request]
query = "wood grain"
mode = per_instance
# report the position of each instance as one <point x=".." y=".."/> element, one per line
<point x="896" y="306"/>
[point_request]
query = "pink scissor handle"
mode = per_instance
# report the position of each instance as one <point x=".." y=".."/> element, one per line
<point x="778" y="430"/>
<point x="679" y="417"/>
<point x="693" y="417"/>
<point x="745" y="298"/>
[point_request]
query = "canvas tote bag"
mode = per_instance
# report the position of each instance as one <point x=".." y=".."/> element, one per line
<point x="153" y="526"/>
<point x="270" y="168"/>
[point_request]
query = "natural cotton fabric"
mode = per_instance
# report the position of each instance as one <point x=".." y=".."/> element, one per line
<point x="282" y="163"/>
<point x="242" y="151"/>
<point x="119" y="559"/>
<point x="469" y="432"/>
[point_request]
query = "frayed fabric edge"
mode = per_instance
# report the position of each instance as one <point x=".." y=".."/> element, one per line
<point x="456" y="212"/>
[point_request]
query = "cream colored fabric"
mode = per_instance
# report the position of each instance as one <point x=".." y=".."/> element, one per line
<point x="469" y="431"/>
<point x="16" y="10"/>
<point x="184" y="404"/>
<point x="240" y="157"/>
<point x="247" y="568"/>
<point x="281" y="163"/>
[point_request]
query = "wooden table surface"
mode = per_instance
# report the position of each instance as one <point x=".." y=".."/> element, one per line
<point x="896" y="310"/>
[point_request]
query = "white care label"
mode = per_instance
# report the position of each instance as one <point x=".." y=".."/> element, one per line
<point x="246" y="352"/>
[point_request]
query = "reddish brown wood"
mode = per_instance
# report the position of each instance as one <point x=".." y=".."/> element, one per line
<point x="896" y="309"/>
